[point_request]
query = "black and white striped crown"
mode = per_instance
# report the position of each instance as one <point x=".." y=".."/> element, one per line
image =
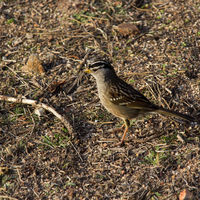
<point x="94" y="66"/>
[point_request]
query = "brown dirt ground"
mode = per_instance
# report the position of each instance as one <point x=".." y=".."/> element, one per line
<point x="39" y="159"/>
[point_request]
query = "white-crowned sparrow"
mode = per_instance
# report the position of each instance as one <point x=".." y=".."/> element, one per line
<point x="121" y="99"/>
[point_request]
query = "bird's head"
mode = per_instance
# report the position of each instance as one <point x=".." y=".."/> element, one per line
<point x="98" y="68"/>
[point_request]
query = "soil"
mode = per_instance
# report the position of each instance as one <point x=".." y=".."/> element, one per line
<point x="158" y="54"/>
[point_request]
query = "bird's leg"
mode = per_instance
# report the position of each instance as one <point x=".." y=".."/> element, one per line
<point x="122" y="126"/>
<point x="127" y="124"/>
<point x="119" y="129"/>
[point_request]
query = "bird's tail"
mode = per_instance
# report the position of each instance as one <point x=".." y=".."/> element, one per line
<point x="176" y="114"/>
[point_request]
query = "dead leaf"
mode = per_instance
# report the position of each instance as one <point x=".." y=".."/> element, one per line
<point x="34" y="65"/>
<point x="186" y="195"/>
<point x="126" y="29"/>
<point x="56" y="86"/>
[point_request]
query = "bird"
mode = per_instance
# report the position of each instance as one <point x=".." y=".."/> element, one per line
<point x="121" y="99"/>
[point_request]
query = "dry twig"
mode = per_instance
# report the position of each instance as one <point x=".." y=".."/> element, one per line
<point x="7" y="197"/>
<point x="80" y="74"/>
<point x="36" y="104"/>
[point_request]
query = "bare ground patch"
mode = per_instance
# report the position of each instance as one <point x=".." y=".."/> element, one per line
<point x="39" y="159"/>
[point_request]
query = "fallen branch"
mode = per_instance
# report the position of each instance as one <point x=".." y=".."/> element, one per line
<point x="37" y="105"/>
<point x="7" y="197"/>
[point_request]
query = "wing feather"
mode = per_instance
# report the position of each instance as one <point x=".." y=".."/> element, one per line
<point x="124" y="94"/>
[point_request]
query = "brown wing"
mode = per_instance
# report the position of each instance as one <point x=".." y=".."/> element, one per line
<point x="125" y="95"/>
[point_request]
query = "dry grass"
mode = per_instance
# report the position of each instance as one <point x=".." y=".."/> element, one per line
<point x="38" y="157"/>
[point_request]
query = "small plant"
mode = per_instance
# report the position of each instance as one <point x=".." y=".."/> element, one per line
<point x="173" y="53"/>
<point x="10" y="21"/>
<point x="18" y="111"/>
<point x="79" y="17"/>
<point x="82" y="16"/>
<point x="100" y="176"/>
<point x="155" y="196"/>
<point x="187" y="20"/>
<point x="169" y="21"/>
<point x="69" y="183"/>
<point x="159" y="17"/>
<point x="162" y="11"/>
<point x="183" y="44"/>
<point x="131" y="80"/>
<point x="57" y="140"/>
<point x="145" y="6"/>
<point x="116" y="48"/>
<point x="155" y="156"/>
<point x="151" y="158"/>
<point x="169" y="139"/>
<point x="65" y="130"/>
<point x="164" y="67"/>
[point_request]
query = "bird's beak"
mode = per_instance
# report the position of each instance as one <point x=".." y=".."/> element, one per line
<point x="88" y="71"/>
